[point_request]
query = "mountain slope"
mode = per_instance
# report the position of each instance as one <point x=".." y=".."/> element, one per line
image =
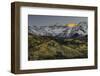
<point x="45" y="48"/>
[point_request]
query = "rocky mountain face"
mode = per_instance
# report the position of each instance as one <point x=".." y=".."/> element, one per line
<point x="60" y="30"/>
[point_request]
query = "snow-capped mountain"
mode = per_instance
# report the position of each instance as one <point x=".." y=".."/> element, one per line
<point x="60" y="31"/>
<point x="78" y="31"/>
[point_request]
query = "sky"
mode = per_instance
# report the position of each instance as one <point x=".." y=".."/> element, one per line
<point x="44" y="20"/>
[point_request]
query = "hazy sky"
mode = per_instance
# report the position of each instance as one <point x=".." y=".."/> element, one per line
<point x="43" y="20"/>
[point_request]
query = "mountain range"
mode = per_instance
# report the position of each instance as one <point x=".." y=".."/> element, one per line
<point x="61" y="31"/>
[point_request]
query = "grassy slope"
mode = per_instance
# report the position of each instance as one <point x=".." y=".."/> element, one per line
<point x="41" y="48"/>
